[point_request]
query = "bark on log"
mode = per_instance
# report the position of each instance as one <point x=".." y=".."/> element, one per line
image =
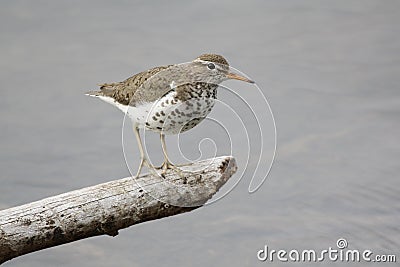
<point x="106" y="208"/>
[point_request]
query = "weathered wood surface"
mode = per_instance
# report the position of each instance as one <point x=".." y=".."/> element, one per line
<point x="106" y="208"/>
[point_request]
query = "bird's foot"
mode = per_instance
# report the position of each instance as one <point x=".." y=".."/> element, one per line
<point x="151" y="166"/>
<point x="145" y="162"/>
<point x="169" y="166"/>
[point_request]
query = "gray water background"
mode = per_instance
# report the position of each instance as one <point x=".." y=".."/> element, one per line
<point x="330" y="70"/>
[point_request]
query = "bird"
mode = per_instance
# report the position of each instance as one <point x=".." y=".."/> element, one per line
<point x="169" y="99"/>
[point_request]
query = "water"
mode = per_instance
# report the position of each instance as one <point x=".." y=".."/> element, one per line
<point x="330" y="70"/>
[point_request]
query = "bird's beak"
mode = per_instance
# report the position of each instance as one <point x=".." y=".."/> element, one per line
<point x="232" y="75"/>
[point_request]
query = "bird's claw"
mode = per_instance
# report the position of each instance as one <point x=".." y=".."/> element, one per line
<point x="169" y="166"/>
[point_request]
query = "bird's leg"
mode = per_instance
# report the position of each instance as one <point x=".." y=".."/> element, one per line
<point x="143" y="158"/>
<point x="167" y="164"/>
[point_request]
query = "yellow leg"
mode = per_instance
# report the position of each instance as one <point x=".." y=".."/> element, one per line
<point x="167" y="164"/>
<point x="143" y="158"/>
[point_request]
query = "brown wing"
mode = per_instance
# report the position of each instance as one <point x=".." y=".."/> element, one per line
<point x="123" y="91"/>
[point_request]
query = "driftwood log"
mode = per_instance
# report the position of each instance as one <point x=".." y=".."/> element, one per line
<point x="106" y="208"/>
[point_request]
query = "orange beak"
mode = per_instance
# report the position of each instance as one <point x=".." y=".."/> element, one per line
<point x="232" y="75"/>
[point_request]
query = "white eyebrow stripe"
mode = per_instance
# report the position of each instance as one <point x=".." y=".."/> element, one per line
<point x="217" y="66"/>
<point x="202" y="61"/>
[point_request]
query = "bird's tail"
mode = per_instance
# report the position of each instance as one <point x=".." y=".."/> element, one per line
<point x="106" y="89"/>
<point x="94" y="93"/>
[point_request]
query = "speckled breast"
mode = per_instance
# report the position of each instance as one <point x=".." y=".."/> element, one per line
<point x="172" y="116"/>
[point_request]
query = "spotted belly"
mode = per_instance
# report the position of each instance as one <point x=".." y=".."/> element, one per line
<point x="170" y="115"/>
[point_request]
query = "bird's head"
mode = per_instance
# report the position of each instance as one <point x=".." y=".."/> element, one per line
<point x="217" y="68"/>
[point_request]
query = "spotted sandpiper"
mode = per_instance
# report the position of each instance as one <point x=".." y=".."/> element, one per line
<point x="169" y="99"/>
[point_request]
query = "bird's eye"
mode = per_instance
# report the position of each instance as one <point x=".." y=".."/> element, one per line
<point x="210" y="66"/>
